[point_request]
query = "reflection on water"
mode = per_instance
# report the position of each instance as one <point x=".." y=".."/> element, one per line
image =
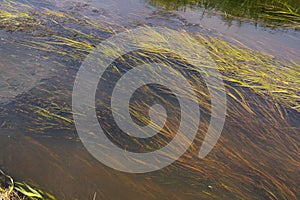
<point x="257" y="156"/>
<point x="198" y="17"/>
<point x="266" y="12"/>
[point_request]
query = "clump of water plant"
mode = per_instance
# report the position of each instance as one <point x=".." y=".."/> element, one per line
<point x="264" y="74"/>
<point x="42" y="22"/>
<point x="271" y="78"/>
<point x="275" y="13"/>
<point x="17" y="16"/>
<point x="11" y="190"/>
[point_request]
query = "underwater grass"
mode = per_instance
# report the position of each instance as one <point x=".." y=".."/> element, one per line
<point x="265" y="75"/>
<point x="15" y="15"/>
<point x="260" y="88"/>
<point x="240" y="65"/>
<point x="24" y="17"/>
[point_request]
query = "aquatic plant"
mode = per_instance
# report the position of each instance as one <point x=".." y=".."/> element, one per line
<point x="276" y="13"/>
<point x="263" y="92"/>
<point x="11" y="190"/>
<point x="266" y="75"/>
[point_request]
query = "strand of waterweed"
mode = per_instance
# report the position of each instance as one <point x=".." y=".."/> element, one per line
<point x="11" y="185"/>
<point x="229" y="55"/>
<point x="264" y="74"/>
<point x="22" y="191"/>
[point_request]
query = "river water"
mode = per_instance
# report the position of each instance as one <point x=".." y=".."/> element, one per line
<point x="257" y="156"/>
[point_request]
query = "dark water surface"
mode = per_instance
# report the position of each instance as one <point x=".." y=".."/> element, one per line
<point x="257" y="156"/>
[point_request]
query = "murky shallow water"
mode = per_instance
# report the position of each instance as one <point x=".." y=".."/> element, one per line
<point x="257" y="156"/>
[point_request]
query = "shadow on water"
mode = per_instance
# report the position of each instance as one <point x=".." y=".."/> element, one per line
<point x="257" y="156"/>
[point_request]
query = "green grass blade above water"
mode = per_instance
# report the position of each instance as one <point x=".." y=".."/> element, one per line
<point x="11" y="190"/>
<point x="275" y="13"/>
